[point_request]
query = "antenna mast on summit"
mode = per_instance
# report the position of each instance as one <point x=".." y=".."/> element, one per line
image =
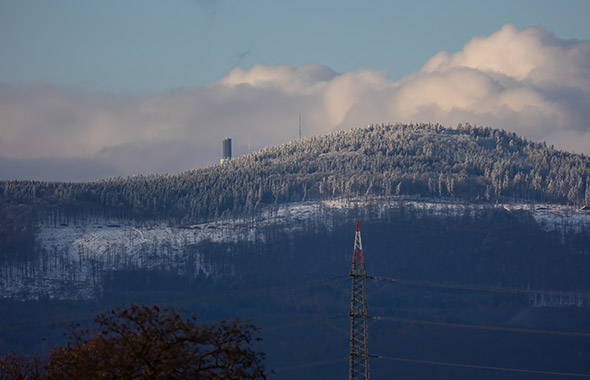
<point x="359" y="332"/>
<point x="299" y="126"/>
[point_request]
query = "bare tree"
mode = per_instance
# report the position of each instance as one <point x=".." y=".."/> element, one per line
<point x="146" y="342"/>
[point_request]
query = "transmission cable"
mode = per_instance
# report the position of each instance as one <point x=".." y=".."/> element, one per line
<point x="484" y="327"/>
<point x="228" y="294"/>
<point x="482" y="288"/>
<point x="311" y="364"/>
<point x="464" y="365"/>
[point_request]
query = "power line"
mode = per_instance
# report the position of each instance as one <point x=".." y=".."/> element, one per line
<point x="302" y="323"/>
<point x="482" y="288"/>
<point x="267" y="289"/>
<point x="310" y="364"/>
<point x="255" y="292"/>
<point x="463" y="365"/>
<point x="484" y="327"/>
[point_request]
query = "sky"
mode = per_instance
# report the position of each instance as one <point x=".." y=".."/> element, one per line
<point x="95" y="89"/>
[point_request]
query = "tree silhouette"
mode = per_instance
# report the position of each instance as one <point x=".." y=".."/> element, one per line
<point x="146" y="342"/>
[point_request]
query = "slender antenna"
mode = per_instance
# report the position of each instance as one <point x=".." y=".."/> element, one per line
<point x="299" y="126"/>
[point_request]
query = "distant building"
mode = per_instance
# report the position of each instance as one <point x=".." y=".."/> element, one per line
<point x="226" y="150"/>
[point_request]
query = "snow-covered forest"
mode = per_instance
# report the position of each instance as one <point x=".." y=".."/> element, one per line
<point x="469" y="163"/>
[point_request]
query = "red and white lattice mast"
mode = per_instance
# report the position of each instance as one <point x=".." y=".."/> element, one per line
<point x="359" y="335"/>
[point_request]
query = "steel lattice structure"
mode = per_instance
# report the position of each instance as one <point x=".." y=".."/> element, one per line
<point x="359" y="335"/>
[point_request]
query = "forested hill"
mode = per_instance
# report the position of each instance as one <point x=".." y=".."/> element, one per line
<point x="468" y="163"/>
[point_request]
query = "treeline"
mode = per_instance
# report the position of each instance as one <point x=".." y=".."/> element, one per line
<point x="468" y="163"/>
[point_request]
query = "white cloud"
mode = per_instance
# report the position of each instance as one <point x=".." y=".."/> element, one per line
<point x="305" y="79"/>
<point x="527" y="81"/>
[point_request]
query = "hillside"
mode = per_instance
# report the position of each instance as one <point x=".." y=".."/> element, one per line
<point x="517" y="266"/>
<point x="80" y="259"/>
<point x="467" y="163"/>
<point x="465" y="220"/>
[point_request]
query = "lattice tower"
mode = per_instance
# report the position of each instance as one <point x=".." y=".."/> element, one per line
<point x="359" y="339"/>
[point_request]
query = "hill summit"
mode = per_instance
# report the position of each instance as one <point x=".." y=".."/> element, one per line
<point x="465" y="163"/>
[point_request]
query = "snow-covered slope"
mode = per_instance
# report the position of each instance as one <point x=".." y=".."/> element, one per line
<point x="73" y="257"/>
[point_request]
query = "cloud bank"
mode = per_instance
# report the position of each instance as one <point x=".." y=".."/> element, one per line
<point x="527" y="81"/>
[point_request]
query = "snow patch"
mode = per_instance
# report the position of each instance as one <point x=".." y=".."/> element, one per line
<point x="75" y="256"/>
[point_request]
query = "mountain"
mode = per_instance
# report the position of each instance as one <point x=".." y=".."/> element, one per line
<point x="470" y="227"/>
<point x="468" y="163"/>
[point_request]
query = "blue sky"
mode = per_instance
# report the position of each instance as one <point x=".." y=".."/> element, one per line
<point x="94" y="89"/>
<point x="153" y="45"/>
